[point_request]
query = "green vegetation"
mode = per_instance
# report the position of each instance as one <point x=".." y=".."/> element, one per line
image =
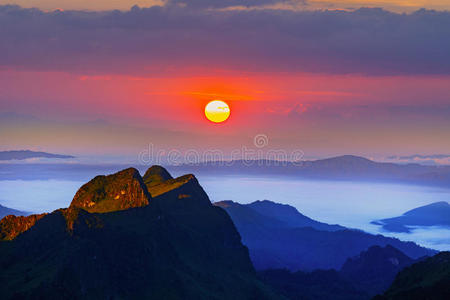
<point x="119" y="191"/>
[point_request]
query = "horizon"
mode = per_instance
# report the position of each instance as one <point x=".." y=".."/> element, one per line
<point x="194" y="157"/>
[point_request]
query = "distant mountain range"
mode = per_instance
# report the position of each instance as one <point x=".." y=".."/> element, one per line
<point x="128" y="237"/>
<point x="5" y="211"/>
<point x="435" y="214"/>
<point x="26" y="154"/>
<point x="347" y="167"/>
<point x="270" y="214"/>
<point x="278" y="236"/>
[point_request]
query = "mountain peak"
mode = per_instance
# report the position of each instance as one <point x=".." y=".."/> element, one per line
<point x="434" y="214"/>
<point x="436" y="208"/>
<point x="375" y="269"/>
<point x="226" y="203"/>
<point x="377" y="257"/>
<point x="156" y="175"/>
<point x="347" y="159"/>
<point x="183" y="188"/>
<point x="119" y="191"/>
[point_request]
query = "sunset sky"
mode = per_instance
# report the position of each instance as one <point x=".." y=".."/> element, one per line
<point x="326" y="77"/>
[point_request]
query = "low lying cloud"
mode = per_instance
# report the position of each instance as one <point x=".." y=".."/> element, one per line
<point x="172" y="38"/>
<point x="433" y="159"/>
<point x="227" y="3"/>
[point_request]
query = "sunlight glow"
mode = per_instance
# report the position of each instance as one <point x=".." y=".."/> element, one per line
<point x="217" y="111"/>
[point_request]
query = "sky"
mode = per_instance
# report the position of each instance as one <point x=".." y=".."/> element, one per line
<point x="109" y="80"/>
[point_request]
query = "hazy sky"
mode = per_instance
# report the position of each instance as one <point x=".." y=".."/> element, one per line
<point x="368" y="81"/>
<point x="394" y="5"/>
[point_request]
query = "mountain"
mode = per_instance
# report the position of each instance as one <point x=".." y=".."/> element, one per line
<point x="289" y="215"/>
<point x="11" y="226"/>
<point x="274" y="243"/>
<point x="346" y="167"/>
<point x="270" y="214"/>
<point x="427" y="279"/>
<point x="374" y="270"/>
<point x="435" y="214"/>
<point x="156" y="175"/>
<point x="361" y="277"/>
<point x="315" y="285"/>
<point x="119" y="191"/>
<point x="5" y="211"/>
<point x="25" y="154"/>
<point x="119" y="239"/>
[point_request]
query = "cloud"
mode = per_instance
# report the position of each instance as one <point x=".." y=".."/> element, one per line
<point x="363" y="113"/>
<point x="170" y="39"/>
<point x="227" y="3"/>
<point x="418" y="156"/>
<point x="432" y="159"/>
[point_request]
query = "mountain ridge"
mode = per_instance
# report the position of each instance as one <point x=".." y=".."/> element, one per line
<point x="434" y="214"/>
<point x="5" y="211"/>
<point x="275" y="244"/>
<point x="345" y="167"/>
<point x="362" y="277"/>
<point x="427" y="279"/>
<point x="172" y="247"/>
<point x="26" y="154"/>
<point x="280" y="215"/>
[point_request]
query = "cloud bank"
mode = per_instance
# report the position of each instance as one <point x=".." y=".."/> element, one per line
<point x="171" y="38"/>
<point x="432" y="159"/>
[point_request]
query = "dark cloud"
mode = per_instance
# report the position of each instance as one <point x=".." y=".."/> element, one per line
<point x="166" y="39"/>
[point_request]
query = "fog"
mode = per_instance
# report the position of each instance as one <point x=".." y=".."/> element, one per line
<point x="351" y="204"/>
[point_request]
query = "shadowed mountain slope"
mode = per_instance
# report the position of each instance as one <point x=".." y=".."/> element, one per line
<point x="290" y="215"/>
<point x="274" y="243"/>
<point x="374" y="270"/>
<point x="175" y="193"/>
<point x="170" y="248"/>
<point x="315" y="285"/>
<point x="361" y="277"/>
<point x="427" y="279"/>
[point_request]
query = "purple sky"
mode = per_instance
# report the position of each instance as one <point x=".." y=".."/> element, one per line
<point x="366" y="81"/>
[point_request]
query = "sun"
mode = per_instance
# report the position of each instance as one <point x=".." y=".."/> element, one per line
<point x="217" y="111"/>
